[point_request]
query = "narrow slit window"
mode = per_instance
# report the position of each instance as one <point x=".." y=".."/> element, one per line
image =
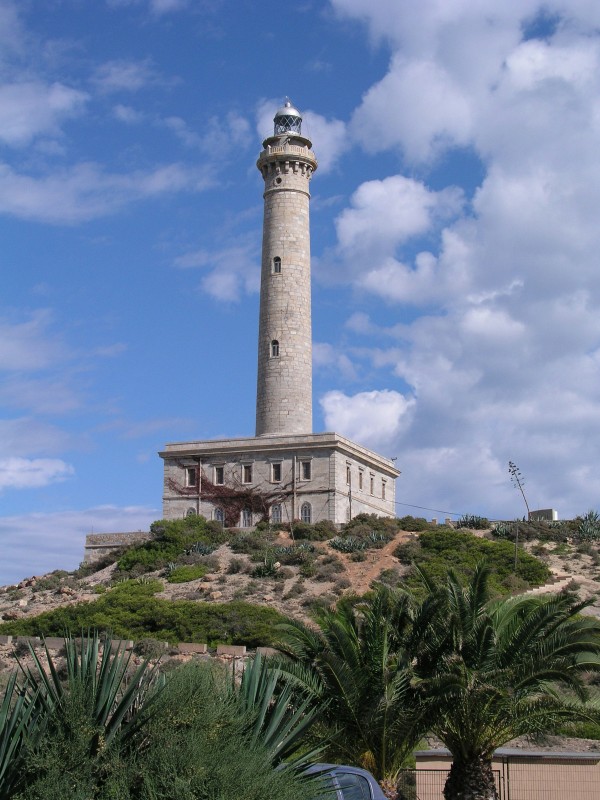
<point x="276" y="266"/>
<point x="274" y="348"/>
<point x="276" y="472"/>
<point x="247" y="473"/>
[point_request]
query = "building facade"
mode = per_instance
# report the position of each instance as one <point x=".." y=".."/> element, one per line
<point x="285" y="472"/>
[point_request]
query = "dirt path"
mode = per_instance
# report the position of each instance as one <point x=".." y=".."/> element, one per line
<point x="362" y="574"/>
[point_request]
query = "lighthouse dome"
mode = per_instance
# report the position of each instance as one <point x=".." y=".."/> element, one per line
<point x="287" y="119"/>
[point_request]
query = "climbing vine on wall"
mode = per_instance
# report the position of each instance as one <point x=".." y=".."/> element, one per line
<point x="234" y="497"/>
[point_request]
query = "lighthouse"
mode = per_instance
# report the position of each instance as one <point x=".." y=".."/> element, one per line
<point x="285" y="471"/>
<point x="284" y="384"/>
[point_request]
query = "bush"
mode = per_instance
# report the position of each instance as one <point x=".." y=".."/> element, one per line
<point x="130" y="611"/>
<point x="185" y="574"/>
<point x="473" y="522"/>
<point x="436" y="551"/>
<point x="171" y="539"/>
<point x="413" y="524"/>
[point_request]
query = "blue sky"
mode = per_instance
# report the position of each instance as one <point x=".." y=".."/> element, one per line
<point x="454" y="239"/>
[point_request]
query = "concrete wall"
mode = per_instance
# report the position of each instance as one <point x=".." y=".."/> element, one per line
<point x="521" y="774"/>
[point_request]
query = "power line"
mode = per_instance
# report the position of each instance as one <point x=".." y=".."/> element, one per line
<point x="426" y="508"/>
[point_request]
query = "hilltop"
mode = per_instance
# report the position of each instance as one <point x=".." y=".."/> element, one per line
<point x="284" y="572"/>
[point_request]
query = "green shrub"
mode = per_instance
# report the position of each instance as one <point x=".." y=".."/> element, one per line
<point x="171" y="539"/>
<point x="473" y="522"/>
<point x="184" y="574"/>
<point x="436" y="551"/>
<point x="413" y="524"/>
<point x="131" y="611"/>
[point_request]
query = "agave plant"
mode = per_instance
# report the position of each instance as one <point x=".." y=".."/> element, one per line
<point x="18" y="727"/>
<point x="281" y="717"/>
<point x="115" y="701"/>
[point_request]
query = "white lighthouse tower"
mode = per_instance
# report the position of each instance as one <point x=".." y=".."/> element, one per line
<point x="284" y="386"/>
<point x="284" y="472"/>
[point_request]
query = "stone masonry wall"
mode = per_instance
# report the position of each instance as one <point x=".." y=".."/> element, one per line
<point x="284" y="386"/>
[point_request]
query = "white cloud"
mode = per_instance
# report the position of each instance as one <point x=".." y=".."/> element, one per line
<point x="232" y="272"/>
<point x="86" y="191"/>
<point x="30" y="344"/>
<point x="32" y="108"/>
<point x="325" y="356"/>
<point x="25" y="473"/>
<point x="124" y="76"/>
<point x="505" y="363"/>
<point x="374" y="419"/>
<point x="36" y="543"/>
<point x="127" y="114"/>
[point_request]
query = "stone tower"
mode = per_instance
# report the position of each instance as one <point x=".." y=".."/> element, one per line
<point x="284" y="386"/>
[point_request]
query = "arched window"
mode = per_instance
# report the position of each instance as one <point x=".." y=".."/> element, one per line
<point x="306" y="512"/>
<point x="274" y="348"/>
<point x="246" y="518"/>
<point x="276" y="265"/>
<point x="191" y="512"/>
<point x="276" y="514"/>
<point x="219" y="515"/>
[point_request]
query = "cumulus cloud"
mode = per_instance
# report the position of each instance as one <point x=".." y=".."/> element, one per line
<point x="373" y="418"/>
<point x="502" y="360"/>
<point x="36" y="543"/>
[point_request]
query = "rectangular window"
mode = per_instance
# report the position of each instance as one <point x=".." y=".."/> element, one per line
<point x="383" y="490"/>
<point x="190" y="476"/>
<point x="219" y="476"/>
<point x="372" y="487"/>
<point x="360" y="479"/>
<point x="305" y="470"/>
<point x="348" y="474"/>
<point x="246" y="518"/>
<point x="247" y="473"/>
<point x="276" y="514"/>
<point x="276" y="472"/>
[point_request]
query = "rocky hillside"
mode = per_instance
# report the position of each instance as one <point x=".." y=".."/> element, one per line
<point x="292" y="575"/>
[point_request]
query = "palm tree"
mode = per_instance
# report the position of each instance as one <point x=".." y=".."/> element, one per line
<point x="495" y="670"/>
<point x="358" y="667"/>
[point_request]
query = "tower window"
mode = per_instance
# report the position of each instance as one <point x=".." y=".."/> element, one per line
<point x="276" y="265"/>
<point x="247" y="473"/>
<point x="306" y="513"/>
<point x="276" y="472"/>
<point x="305" y="470"/>
<point x="274" y="348"/>
<point x="190" y="476"/>
<point x="219" y="476"/>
